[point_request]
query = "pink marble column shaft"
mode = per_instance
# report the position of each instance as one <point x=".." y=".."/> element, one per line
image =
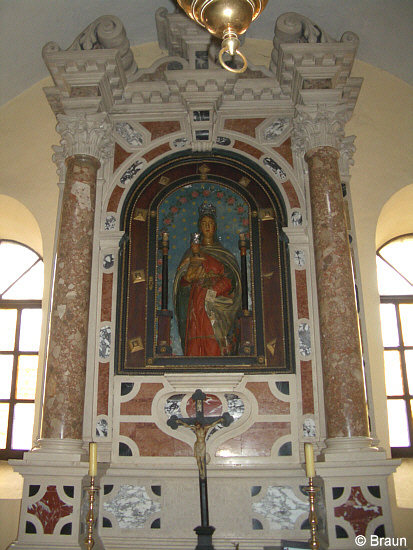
<point x="344" y="391"/>
<point x="66" y="359"/>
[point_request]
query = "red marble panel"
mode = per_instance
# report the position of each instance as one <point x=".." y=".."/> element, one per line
<point x="307" y="387"/>
<point x="49" y="509"/>
<point x="115" y="198"/>
<point x="243" y="125"/>
<point x="106" y="308"/>
<point x="291" y="194"/>
<point x="152" y="441"/>
<point x="246" y="148"/>
<point x="302" y="297"/>
<point x="267" y="402"/>
<point x="142" y="402"/>
<point x="153" y="153"/>
<point x="159" y="129"/>
<point x="103" y="389"/>
<point x="285" y="151"/>
<point x="358" y="511"/>
<point x="120" y="156"/>
<point x="256" y="441"/>
<point x="212" y="406"/>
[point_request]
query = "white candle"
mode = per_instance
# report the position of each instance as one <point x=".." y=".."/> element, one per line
<point x="93" y="459"/>
<point x="309" y="459"/>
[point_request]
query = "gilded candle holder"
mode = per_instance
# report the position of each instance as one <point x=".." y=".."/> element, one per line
<point x="312" y="490"/>
<point x="92" y="492"/>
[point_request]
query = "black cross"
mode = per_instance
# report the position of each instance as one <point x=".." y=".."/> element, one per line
<point x="200" y="425"/>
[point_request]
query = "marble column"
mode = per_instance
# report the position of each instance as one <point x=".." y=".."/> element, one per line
<point x="63" y="406"/>
<point x="345" y="404"/>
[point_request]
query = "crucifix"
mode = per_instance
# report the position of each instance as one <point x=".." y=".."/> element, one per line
<point x="201" y="425"/>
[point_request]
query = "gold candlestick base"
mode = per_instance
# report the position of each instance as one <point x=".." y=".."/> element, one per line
<point x="90" y="520"/>
<point x="312" y="517"/>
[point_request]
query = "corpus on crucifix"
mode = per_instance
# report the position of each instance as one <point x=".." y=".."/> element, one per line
<point x="201" y="425"/>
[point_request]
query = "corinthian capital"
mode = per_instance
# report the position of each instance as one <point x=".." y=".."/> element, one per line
<point x="84" y="134"/>
<point x="319" y="126"/>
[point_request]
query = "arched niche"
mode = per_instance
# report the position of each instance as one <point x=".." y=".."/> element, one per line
<point x="167" y="198"/>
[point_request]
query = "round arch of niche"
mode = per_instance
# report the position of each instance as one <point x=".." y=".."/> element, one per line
<point x="189" y="301"/>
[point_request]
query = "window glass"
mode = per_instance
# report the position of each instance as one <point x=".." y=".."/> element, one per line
<point x="4" y="420"/>
<point x="30" y="286"/>
<point x="8" y="319"/>
<point x="389" y="330"/>
<point x="22" y="426"/>
<point x="18" y="259"/>
<point x="399" y="430"/>
<point x="26" y="377"/>
<point x="406" y="317"/>
<point x="393" y="372"/>
<point x="31" y="324"/>
<point x="6" y="373"/>
<point x="409" y="368"/>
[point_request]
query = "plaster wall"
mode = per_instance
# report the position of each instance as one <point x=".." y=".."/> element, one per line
<point x="383" y="165"/>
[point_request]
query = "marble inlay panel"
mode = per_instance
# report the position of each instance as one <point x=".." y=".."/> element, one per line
<point x="249" y="149"/>
<point x="276" y="128"/>
<point x="307" y="387"/>
<point x="212" y="406"/>
<point x="120" y="156"/>
<point x="285" y="151"/>
<point x="162" y="128"/>
<point x="49" y="509"/>
<point x="299" y="258"/>
<point x="132" y="506"/>
<point x="281" y="507"/>
<point x="105" y="339"/>
<point x="358" y="511"/>
<point x="304" y="339"/>
<point x="309" y="428"/>
<point x="106" y="308"/>
<point x="115" y="198"/>
<point x="180" y="143"/>
<point x="173" y="405"/>
<point x="103" y="389"/>
<point x="129" y="174"/>
<point x="291" y="194"/>
<point x="275" y="168"/>
<point x="267" y="402"/>
<point x="141" y="403"/>
<point x="152" y="441"/>
<point x="110" y="223"/>
<point x="102" y="427"/>
<point x="258" y="440"/>
<point x="302" y="297"/>
<point x="296" y="218"/>
<point x="153" y="153"/>
<point x="245" y="126"/>
<point x="129" y="134"/>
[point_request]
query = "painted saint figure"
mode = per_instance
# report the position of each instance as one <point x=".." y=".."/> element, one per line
<point x="207" y="292"/>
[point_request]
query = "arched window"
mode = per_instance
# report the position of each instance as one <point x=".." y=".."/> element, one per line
<point x="21" y="290"/>
<point x="395" y="278"/>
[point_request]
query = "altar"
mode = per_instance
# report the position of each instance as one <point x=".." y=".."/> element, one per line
<point x="144" y="156"/>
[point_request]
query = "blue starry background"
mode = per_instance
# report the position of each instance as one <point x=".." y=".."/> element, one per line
<point x="178" y="215"/>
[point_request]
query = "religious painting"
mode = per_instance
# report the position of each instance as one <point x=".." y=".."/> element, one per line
<point x="200" y="266"/>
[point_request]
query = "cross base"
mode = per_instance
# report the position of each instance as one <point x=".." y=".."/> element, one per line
<point x="204" y="533"/>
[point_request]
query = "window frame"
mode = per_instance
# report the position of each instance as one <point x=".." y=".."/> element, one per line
<point x="407" y="397"/>
<point x="19" y="305"/>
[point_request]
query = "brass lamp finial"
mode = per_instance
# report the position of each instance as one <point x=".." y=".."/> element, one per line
<point x="225" y="19"/>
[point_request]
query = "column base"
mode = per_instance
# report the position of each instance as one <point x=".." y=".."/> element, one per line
<point x="62" y="450"/>
<point x="350" y="448"/>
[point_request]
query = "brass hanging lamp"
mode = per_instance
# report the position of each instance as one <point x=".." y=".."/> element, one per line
<point x="226" y="19"/>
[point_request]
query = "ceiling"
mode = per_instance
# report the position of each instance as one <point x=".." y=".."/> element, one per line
<point x="385" y="29"/>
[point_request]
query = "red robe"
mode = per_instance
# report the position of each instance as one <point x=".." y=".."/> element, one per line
<point x="199" y="336"/>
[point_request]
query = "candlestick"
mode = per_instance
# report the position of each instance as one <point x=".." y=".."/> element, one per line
<point x="93" y="459"/>
<point x="312" y="517"/>
<point x="309" y="459"/>
<point x="90" y="519"/>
